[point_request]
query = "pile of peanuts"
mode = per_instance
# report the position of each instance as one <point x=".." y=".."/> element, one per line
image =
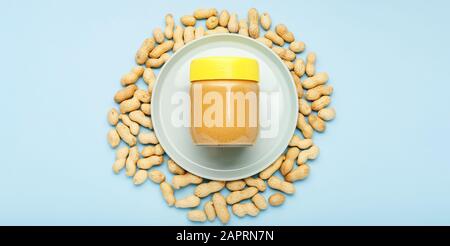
<point x="134" y="113"/>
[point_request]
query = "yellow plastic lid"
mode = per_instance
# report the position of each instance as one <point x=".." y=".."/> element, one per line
<point x="224" y="67"/>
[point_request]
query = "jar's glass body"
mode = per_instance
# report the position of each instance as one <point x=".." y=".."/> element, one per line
<point x="224" y="112"/>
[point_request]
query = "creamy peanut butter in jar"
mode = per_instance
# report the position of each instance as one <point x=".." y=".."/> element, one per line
<point x="224" y="101"/>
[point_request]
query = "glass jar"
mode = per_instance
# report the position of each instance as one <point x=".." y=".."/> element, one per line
<point x="224" y="101"/>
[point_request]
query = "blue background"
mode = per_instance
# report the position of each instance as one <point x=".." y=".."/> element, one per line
<point x="384" y="160"/>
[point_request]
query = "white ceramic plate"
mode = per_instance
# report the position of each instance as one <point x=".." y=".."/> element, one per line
<point x="225" y="163"/>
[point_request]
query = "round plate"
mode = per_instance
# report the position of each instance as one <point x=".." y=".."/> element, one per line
<point x="278" y="116"/>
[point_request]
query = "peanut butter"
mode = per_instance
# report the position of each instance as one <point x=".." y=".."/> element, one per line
<point x="224" y="101"/>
